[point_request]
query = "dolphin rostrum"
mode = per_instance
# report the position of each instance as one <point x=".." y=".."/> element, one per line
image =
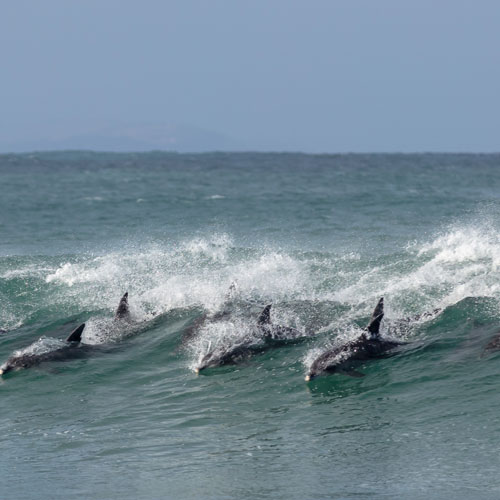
<point x="368" y="345"/>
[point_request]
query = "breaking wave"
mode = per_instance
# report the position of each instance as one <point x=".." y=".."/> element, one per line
<point x="458" y="263"/>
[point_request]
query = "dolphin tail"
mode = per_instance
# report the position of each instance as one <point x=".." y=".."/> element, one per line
<point x="265" y="316"/>
<point x="76" y="334"/>
<point x="378" y="313"/>
<point x="122" y="310"/>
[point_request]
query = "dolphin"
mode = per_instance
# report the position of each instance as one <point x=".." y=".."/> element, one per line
<point x="367" y="346"/>
<point x="271" y="335"/>
<point x="25" y="359"/>
<point x="492" y="345"/>
<point x="224" y="357"/>
<point x="71" y="348"/>
<point x="194" y="328"/>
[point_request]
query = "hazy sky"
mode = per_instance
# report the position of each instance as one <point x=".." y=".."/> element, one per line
<point x="316" y="75"/>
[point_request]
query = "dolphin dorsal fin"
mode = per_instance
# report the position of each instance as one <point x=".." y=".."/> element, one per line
<point x="76" y="334"/>
<point x="122" y="310"/>
<point x="374" y="326"/>
<point x="378" y="313"/>
<point x="265" y="316"/>
<point x="379" y="309"/>
<point x="231" y="292"/>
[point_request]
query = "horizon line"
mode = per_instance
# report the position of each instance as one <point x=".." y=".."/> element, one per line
<point x="245" y="151"/>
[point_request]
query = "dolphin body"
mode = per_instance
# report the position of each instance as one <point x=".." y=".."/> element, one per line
<point x="72" y="349"/>
<point x="272" y="335"/>
<point x="22" y="359"/>
<point x="367" y="346"/>
<point x="227" y="357"/>
<point x="194" y="328"/>
<point x="493" y="345"/>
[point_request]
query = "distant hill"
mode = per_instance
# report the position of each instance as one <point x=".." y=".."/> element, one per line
<point x="181" y="138"/>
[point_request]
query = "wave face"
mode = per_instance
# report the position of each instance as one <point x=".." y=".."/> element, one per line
<point x="203" y="243"/>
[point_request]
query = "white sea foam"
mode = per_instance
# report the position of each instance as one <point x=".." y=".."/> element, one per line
<point x="42" y="346"/>
<point x="311" y="355"/>
<point x="26" y="271"/>
<point x="220" y="337"/>
<point x="459" y="262"/>
<point x="194" y="273"/>
<point x="215" y="248"/>
<point x="93" y="198"/>
<point x="105" y="330"/>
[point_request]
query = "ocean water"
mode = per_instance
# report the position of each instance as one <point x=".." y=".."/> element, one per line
<point x="321" y="237"/>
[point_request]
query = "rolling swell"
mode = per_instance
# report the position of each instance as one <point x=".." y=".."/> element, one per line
<point x="325" y="296"/>
<point x="321" y="287"/>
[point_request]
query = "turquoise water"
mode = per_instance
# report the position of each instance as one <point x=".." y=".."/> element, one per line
<point x="322" y="238"/>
